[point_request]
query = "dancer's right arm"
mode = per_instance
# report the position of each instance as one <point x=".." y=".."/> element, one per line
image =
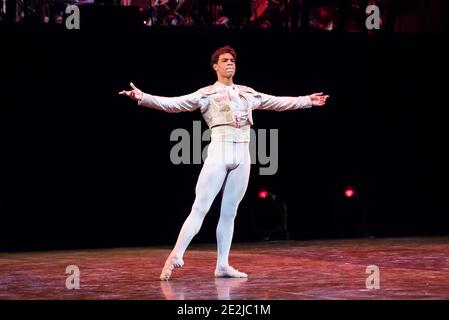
<point x="184" y="103"/>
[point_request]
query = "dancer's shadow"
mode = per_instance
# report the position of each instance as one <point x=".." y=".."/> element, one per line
<point x="225" y="289"/>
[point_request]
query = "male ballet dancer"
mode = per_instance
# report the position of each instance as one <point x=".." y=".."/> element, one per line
<point x="227" y="109"/>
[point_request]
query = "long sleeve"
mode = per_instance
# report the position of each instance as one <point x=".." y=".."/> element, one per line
<point x="269" y="102"/>
<point x="189" y="102"/>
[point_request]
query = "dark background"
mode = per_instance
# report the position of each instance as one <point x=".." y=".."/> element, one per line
<point x="85" y="167"/>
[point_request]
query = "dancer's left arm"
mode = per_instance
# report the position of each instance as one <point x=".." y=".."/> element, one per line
<point x="269" y="102"/>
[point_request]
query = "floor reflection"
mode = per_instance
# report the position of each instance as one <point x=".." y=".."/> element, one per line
<point x="225" y="288"/>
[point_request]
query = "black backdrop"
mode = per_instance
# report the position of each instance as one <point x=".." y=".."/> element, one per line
<point x="84" y="167"/>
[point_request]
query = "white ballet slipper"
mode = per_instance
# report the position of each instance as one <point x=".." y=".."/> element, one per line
<point x="169" y="265"/>
<point x="229" y="272"/>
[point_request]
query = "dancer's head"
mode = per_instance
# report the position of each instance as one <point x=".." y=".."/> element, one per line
<point x="223" y="62"/>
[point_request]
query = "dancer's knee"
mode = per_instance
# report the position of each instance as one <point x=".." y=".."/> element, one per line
<point x="229" y="211"/>
<point x="193" y="223"/>
<point x="199" y="211"/>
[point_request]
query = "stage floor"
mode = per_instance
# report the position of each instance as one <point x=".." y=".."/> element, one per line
<point x="409" y="268"/>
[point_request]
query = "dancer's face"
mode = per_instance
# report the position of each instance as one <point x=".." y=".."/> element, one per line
<point x="225" y="67"/>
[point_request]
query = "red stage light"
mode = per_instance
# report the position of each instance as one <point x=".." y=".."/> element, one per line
<point x="263" y="194"/>
<point x="349" y="192"/>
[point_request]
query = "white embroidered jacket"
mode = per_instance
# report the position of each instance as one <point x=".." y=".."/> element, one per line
<point x="226" y="109"/>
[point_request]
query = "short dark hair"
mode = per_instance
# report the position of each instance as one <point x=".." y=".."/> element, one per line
<point x="220" y="51"/>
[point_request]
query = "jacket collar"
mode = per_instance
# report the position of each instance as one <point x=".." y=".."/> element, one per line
<point x="218" y="85"/>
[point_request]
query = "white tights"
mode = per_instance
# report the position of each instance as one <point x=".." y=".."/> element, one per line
<point x="226" y="168"/>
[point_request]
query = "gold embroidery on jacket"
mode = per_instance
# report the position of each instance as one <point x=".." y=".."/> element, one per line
<point x="219" y="111"/>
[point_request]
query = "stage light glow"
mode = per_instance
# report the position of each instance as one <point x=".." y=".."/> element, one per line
<point x="263" y="194"/>
<point x="349" y="192"/>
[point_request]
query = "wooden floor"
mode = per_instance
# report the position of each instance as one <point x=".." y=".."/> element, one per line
<point x="409" y="268"/>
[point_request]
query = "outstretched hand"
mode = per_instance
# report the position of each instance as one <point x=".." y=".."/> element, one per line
<point x="318" y="99"/>
<point x="134" y="93"/>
